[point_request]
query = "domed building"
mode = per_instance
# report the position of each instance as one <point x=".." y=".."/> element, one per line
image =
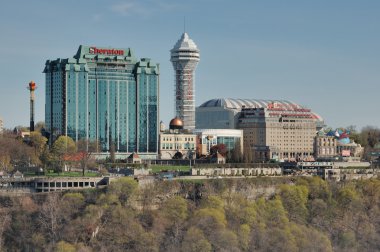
<point x="177" y="143"/>
<point x="223" y="113"/>
<point x="176" y="124"/>
<point x="272" y="129"/>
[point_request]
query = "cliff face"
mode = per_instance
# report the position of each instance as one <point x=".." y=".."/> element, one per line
<point x="196" y="190"/>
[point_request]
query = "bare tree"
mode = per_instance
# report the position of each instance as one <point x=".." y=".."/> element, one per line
<point x="5" y="219"/>
<point x="50" y="216"/>
<point x="86" y="149"/>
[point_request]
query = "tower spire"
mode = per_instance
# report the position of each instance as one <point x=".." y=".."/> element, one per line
<point x="184" y="24"/>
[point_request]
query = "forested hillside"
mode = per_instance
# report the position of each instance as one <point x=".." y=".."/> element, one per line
<point x="213" y="215"/>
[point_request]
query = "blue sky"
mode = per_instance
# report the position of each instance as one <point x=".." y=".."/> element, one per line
<point x="322" y="54"/>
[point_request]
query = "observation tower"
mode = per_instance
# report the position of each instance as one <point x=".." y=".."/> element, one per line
<point x="185" y="57"/>
<point x="32" y="87"/>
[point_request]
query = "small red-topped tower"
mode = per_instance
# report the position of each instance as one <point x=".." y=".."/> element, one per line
<point x="32" y="86"/>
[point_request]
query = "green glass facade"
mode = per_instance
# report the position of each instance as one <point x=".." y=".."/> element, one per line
<point x="106" y="95"/>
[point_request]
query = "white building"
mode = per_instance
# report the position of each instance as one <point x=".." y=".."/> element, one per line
<point x="231" y="138"/>
<point x="177" y="143"/>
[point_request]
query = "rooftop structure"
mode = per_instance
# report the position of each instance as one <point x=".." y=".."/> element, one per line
<point x="176" y="123"/>
<point x="223" y="113"/>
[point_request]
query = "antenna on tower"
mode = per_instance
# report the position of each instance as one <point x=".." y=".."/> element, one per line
<point x="184" y="24"/>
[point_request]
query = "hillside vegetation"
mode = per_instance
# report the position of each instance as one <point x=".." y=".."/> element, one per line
<point x="213" y="215"/>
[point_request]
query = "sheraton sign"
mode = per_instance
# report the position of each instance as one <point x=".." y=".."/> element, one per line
<point x="94" y="50"/>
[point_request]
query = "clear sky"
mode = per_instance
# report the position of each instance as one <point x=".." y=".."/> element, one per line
<point x="322" y="54"/>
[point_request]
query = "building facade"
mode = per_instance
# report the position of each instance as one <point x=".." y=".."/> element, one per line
<point x="177" y="143"/>
<point x="104" y="94"/>
<point x="185" y="57"/>
<point x="231" y="138"/>
<point x="278" y="133"/>
<point x="172" y="143"/>
<point x="351" y="149"/>
<point x="325" y="146"/>
<point x="224" y="113"/>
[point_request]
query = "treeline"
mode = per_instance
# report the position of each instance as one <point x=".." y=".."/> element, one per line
<point x="20" y="153"/>
<point x="214" y="215"/>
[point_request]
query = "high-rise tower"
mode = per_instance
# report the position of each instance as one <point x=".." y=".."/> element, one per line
<point x="107" y="95"/>
<point x="185" y="57"/>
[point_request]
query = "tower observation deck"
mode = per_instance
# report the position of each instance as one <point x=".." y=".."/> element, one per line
<point x="185" y="57"/>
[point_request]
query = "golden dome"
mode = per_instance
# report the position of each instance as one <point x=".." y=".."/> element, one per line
<point x="176" y="123"/>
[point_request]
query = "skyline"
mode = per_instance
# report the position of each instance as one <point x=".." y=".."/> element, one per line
<point x="321" y="55"/>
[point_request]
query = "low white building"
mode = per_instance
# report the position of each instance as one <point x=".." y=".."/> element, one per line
<point x="231" y="138"/>
<point x="177" y="143"/>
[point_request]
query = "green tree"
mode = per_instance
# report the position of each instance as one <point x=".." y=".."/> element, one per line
<point x="62" y="147"/>
<point x="195" y="241"/>
<point x="63" y="246"/>
<point x="244" y="236"/>
<point x="175" y="211"/>
<point x="123" y="188"/>
<point x="38" y="142"/>
<point x="5" y="162"/>
<point x="294" y="199"/>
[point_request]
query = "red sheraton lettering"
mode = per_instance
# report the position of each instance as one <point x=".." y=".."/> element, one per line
<point x="94" y="50"/>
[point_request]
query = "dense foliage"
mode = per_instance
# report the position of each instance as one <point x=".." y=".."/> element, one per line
<point x="263" y="214"/>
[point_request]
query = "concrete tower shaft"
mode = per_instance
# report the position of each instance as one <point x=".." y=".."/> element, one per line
<point x="185" y="57"/>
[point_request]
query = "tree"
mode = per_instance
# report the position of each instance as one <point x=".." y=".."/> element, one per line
<point x="123" y="188"/>
<point x="112" y="152"/>
<point x="50" y="217"/>
<point x="5" y="162"/>
<point x="64" y="145"/>
<point x="63" y="246"/>
<point x="39" y="126"/>
<point x="195" y="241"/>
<point x="86" y="149"/>
<point x="177" y="155"/>
<point x="38" y="142"/>
<point x="5" y="219"/>
<point x="236" y="153"/>
<point x="220" y="148"/>
<point x="247" y="156"/>
<point x="294" y="199"/>
<point x="175" y="211"/>
<point x="15" y="152"/>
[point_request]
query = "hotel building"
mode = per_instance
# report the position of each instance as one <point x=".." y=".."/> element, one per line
<point x="104" y="94"/>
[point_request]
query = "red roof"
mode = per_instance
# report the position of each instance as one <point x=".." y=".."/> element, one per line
<point x="78" y="156"/>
